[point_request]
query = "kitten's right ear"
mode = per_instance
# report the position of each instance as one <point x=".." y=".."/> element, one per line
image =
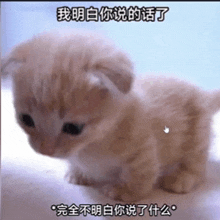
<point x="12" y="61"/>
<point x="99" y="85"/>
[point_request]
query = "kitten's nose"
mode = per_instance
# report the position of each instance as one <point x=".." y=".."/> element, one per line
<point x="47" y="147"/>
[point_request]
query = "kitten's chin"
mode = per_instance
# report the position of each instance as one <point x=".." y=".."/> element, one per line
<point x="65" y="154"/>
<point x="59" y="155"/>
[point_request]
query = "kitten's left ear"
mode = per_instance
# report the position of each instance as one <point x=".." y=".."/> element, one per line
<point x="14" y="59"/>
<point x="119" y="70"/>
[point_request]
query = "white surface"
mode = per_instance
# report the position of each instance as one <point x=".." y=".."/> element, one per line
<point x="31" y="183"/>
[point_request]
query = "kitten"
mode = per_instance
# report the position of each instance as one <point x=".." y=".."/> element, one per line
<point x="75" y="98"/>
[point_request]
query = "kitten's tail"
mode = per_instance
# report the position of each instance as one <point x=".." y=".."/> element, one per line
<point x="214" y="104"/>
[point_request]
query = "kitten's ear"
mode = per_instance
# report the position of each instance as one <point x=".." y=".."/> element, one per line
<point x="99" y="84"/>
<point x="119" y="70"/>
<point x="14" y="59"/>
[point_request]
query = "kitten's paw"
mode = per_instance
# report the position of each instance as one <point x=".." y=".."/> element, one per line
<point x="78" y="178"/>
<point x="119" y="193"/>
<point x="70" y="177"/>
<point x="182" y="182"/>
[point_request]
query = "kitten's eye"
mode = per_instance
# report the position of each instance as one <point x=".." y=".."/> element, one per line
<point x="27" y="120"/>
<point x="73" y="129"/>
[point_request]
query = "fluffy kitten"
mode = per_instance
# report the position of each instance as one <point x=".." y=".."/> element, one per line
<point x="74" y="97"/>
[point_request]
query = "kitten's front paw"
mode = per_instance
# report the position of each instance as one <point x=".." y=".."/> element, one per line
<point x="182" y="182"/>
<point x="70" y="177"/>
<point x="119" y="193"/>
<point x="78" y="178"/>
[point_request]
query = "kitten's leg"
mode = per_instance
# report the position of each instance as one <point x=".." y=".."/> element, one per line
<point x="138" y="178"/>
<point x="195" y="154"/>
<point x="75" y="176"/>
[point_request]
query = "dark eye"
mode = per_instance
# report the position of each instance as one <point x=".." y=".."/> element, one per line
<point x="73" y="129"/>
<point x="27" y="120"/>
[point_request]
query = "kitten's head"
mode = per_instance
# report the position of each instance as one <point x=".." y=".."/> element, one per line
<point x="68" y="89"/>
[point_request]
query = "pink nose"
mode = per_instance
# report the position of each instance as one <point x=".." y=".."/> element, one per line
<point x="47" y="148"/>
<point x="47" y="151"/>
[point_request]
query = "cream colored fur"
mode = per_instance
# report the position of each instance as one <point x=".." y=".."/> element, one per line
<point x="123" y="150"/>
